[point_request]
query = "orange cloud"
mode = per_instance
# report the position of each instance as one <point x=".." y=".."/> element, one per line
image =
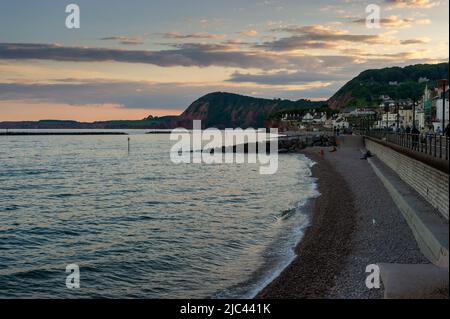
<point x="423" y="4"/>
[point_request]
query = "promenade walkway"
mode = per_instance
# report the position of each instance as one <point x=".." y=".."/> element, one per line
<point x="356" y="223"/>
<point x="381" y="233"/>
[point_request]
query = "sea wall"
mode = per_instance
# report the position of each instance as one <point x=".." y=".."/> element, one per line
<point x="432" y="184"/>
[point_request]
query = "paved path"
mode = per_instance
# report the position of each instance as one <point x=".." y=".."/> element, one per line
<point x="381" y="235"/>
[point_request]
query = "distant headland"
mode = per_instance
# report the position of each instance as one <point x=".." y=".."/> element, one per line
<point x="223" y="110"/>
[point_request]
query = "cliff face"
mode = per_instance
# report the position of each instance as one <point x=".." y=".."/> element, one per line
<point x="224" y="110"/>
<point x="398" y="83"/>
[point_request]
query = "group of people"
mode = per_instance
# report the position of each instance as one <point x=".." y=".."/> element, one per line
<point x="429" y="132"/>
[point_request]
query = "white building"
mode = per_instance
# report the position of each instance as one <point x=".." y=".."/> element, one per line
<point x="420" y="118"/>
<point x="320" y="118"/>
<point x="340" y="122"/>
<point x="308" y="118"/>
<point x="362" y="112"/>
<point x="387" y="119"/>
<point x="439" y="109"/>
<point x="406" y="117"/>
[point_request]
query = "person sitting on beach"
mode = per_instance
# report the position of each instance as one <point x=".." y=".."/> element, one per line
<point x="367" y="155"/>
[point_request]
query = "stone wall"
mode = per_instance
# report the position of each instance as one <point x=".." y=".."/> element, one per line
<point x="429" y="182"/>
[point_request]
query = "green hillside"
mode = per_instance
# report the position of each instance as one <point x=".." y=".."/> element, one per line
<point x="223" y="110"/>
<point x="366" y="88"/>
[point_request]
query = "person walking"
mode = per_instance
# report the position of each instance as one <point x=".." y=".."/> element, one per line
<point x="415" y="135"/>
<point x="447" y="130"/>
<point x="430" y="133"/>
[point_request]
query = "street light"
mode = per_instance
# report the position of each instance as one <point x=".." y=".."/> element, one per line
<point x="386" y="112"/>
<point x="443" y="83"/>
<point x="398" y="116"/>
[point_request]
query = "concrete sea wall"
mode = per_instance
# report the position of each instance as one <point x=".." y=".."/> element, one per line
<point x="431" y="183"/>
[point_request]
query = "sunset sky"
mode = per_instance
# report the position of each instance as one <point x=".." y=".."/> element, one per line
<point x="134" y="58"/>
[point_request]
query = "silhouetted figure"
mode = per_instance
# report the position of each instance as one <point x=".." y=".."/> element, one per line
<point x="367" y="155"/>
<point x="447" y="130"/>
<point x="415" y="137"/>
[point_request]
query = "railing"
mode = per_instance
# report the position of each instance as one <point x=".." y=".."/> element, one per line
<point x="432" y="145"/>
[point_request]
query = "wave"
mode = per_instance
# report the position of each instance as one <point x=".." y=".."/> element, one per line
<point x="281" y="252"/>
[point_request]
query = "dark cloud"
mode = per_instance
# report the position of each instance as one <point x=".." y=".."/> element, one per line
<point x="184" y="55"/>
<point x="139" y="94"/>
<point x="187" y="54"/>
<point x="68" y="91"/>
<point x="125" y="40"/>
<point x="284" y="78"/>
<point x="414" y="41"/>
<point x="195" y="35"/>
<point x="316" y="37"/>
<point x="295" y="43"/>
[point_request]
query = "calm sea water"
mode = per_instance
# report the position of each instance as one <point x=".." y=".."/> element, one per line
<point x="139" y="226"/>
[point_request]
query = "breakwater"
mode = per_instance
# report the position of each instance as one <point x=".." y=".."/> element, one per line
<point x="286" y="144"/>
<point x="296" y="143"/>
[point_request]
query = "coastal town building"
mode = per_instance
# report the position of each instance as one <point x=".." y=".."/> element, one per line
<point x="439" y="102"/>
<point x="340" y="122"/>
<point x="406" y="117"/>
<point x="387" y="120"/>
<point x="320" y="118"/>
<point x="308" y="118"/>
<point x="396" y="114"/>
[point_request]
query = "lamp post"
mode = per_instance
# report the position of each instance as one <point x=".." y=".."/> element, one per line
<point x="443" y="83"/>
<point x="414" y="113"/>
<point x="386" y="111"/>
<point x="398" y="116"/>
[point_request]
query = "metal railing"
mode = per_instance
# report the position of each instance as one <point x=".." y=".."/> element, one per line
<point x="432" y="145"/>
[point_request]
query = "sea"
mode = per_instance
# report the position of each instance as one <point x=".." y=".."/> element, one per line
<point x="139" y="226"/>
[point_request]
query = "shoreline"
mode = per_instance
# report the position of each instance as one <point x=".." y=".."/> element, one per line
<point x="326" y="243"/>
<point x="356" y="223"/>
<point x="269" y="277"/>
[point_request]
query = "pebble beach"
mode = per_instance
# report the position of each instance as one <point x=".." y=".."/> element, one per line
<point x="355" y="223"/>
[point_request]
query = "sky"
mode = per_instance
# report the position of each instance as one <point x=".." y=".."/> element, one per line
<point x="130" y="59"/>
